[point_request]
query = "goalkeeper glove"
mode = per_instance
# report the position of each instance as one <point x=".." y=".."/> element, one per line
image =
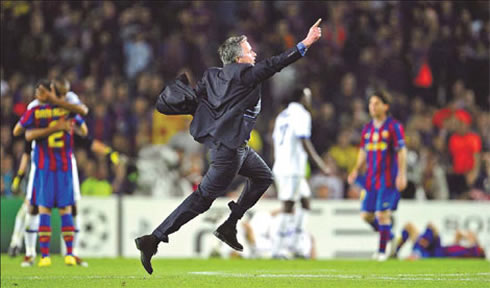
<point x="115" y="157"/>
<point x="17" y="179"/>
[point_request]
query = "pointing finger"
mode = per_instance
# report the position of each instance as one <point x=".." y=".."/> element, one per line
<point x="317" y="22"/>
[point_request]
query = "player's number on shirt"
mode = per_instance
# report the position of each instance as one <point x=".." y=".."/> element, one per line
<point x="55" y="140"/>
<point x="283" y="130"/>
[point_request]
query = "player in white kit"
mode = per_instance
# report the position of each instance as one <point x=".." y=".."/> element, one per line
<point x="292" y="146"/>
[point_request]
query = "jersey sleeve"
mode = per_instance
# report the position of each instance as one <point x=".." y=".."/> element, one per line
<point x="73" y="98"/>
<point x="79" y="120"/>
<point x="27" y="119"/>
<point x="301" y="123"/>
<point x="399" y="136"/>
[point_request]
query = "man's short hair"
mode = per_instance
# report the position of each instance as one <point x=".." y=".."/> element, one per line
<point x="231" y="49"/>
<point x="61" y="86"/>
<point x="296" y="95"/>
<point x="44" y="82"/>
<point x="383" y="95"/>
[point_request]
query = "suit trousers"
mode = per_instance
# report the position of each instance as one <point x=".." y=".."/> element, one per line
<point x="225" y="164"/>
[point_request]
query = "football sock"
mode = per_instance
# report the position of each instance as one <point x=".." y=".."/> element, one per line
<point x="68" y="230"/>
<point x="44" y="233"/>
<point x="286" y="220"/>
<point x="402" y="240"/>
<point x="19" y="228"/>
<point x="301" y="218"/>
<point x="32" y="227"/>
<point x="384" y="237"/>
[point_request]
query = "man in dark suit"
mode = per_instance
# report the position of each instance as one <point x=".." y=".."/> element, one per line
<point x="229" y="103"/>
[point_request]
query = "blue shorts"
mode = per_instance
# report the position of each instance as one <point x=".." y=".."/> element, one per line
<point x="379" y="200"/>
<point x="53" y="188"/>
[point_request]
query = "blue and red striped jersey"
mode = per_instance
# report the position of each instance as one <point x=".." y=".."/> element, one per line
<point x="53" y="152"/>
<point x="381" y="146"/>
<point x="461" y="251"/>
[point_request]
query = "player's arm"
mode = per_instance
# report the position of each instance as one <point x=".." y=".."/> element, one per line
<point x="26" y="121"/>
<point x="24" y="160"/>
<point x="51" y="98"/>
<point x="361" y="160"/>
<point x="81" y="130"/>
<point x="401" y="178"/>
<point x="310" y="149"/>
<point x="18" y="130"/>
<point x="267" y="68"/>
<point x="37" y="133"/>
<point x="98" y="147"/>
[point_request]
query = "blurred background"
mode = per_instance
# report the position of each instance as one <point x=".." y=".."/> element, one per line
<point x="432" y="56"/>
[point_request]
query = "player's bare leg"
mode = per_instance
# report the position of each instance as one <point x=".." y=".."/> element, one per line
<point x="409" y="232"/>
<point x="370" y="219"/>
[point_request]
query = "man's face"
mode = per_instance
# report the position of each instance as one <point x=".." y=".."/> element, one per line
<point x="40" y="93"/>
<point x="376" y="107"/>
<point x="248" y="54"/>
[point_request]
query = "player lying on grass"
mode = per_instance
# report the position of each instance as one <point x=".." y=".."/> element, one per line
<point x="428" y="244"/>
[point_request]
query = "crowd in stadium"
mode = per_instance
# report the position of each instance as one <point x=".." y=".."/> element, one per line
<point x="431" y="56"/>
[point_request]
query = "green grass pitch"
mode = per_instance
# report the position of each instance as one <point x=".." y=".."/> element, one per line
<point x="237" y="273"/>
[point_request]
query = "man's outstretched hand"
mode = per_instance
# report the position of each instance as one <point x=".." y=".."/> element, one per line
<point x="313" y="35"/>
<point x="47" y="96"/>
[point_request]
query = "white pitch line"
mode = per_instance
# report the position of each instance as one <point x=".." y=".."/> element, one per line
<point x="410" y="277"/>
<point x="78" y="277"/>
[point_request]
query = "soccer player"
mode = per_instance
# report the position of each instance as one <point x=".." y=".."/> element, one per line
<point x="27" y="219"/>
<point x="383" y="151"/>
<point x="47" y="123"/>
<point x="428" y="244"/>
<point x="19" y="227"/>
<point x="292" y="146"/>
<point x="81" y="139"/>
<point x="229" y="104"/>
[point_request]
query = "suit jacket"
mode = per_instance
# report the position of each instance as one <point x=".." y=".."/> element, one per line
<point x="229" y="99"/>
<point x="177" y="98"/>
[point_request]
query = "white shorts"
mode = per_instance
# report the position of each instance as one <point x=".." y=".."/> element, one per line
<point x="76" y="183"/>
<point x="292" y="188"/>
<point x="30" y="182"/>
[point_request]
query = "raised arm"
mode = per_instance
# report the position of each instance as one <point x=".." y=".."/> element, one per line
<point x="268" y="67"/>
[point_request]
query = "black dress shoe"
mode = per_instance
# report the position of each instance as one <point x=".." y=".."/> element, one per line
<point x="147" y="245"/>
<point x="227" y="233"/>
